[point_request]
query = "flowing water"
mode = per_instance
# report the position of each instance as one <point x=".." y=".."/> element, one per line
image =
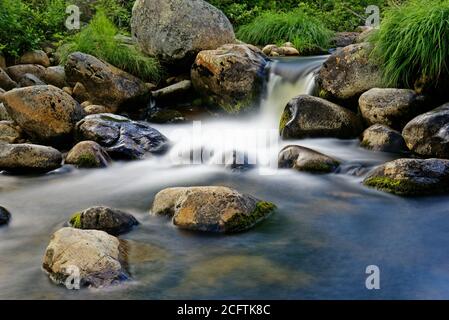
<point x="327" y="230"/>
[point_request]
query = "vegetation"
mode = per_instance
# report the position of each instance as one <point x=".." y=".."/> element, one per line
<point x="413" y="42"/>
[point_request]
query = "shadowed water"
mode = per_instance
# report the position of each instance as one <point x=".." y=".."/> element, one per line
<point x="327" y="230"/>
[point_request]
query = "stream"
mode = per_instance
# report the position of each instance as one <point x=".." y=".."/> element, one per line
<point x="327" y="230"/>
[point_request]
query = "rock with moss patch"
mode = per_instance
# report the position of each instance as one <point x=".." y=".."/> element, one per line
<point x="382" y="138"/>
<point x="211" y="209"/>
<point x="5" y="216"/>
<point x="312" y="117"/>
<point x="121" y="137"/>
<point x="88" y="154"/>
<point x="411" y="177"/>
<point x="305" y="159"/>
<point x="97" y="257"/>
<point x="106" y="219"/>
<point x="231" y="76"/>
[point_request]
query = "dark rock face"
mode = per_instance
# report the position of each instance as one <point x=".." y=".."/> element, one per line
<point x="308" y="160"/>
<point x="428" y="134"/>
<point x="29" y="80"/>
<point x="411" y="177"/>
<point x="121" y="137"/>
<point x="311" y="117"/>
<point x="5" y="216"/>
<point x="382" y="138"/>
<point x="230" y="77"/>
<point x="112" y="221"/>
<point x="6" y="82"/>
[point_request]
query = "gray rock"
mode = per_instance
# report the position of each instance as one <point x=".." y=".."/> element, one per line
<point x="344" y="39"/>
<point x="29" y="80"/>
<point x="379" y="137"/>
<point x="112" y="221"/>
<point x="121" y="137"/>
<point x="5" y="216"/>
<point x="88" y="154"/>
<point x="308" y="160"/>
<point x="311" y="117"/>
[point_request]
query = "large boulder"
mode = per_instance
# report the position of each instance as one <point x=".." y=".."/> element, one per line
<point x="308" y="160"/>
<point x="46" y="113"/>
<point x="311" y="117"/>
<point x="230" y="76"/>
<point x="211" y="209"/>
<point x="6" y="82"/>
<point x="428" y="134"/>
<point x="121" y="137"/>
<point x="88" y="154"/>
<point x="5" y="216"/>
<point x="348" y="72"/>
<point x="382" y="138"/>
<point x="85" y="257"/>
<point x="106" y="219"/>
<point x="176" y="30"/>
<point x="10" y="132"/>
<point x="390" y="107"/>
<point x="23" y="158"/>
<point x="411" y="177"/>
<point x="104" y="84"/>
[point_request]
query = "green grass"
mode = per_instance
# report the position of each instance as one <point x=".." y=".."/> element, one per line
<point x="413" y="42"/>
<point x="304" y="31"/>
<point x="98" y="39"/>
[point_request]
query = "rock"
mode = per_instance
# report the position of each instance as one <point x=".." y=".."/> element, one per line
<point x="428" y="134"/>
<point x="88" y="154"/>
<point x="53" y="75"/>
<point x="176" y="30"/>
<point x="411" y="177"/>
<point x="305" y="159"/>
<point x="4" y="115"/>
<point x="2" y="62"/>
<point x="105" y="84"/>
<point x="348" y="73"/>
<point x="45" y="113"/>
<point x="165" y="116"/>
<point x="112" y="221"/>
<point x="68" y="90"/>
<point x="10" y="132"/>
<point x="231" y="76"/>
<point x="344" y="39"/>
<point x="382" y="138"/>
<point x="28" y="158"/>
<point x="80" y="93"/>
<point x="5" y="216"/>
<point x="268" y="49"/>
<point x="96" y="109"/>
<point x="99" y="258"/>
<point x="365" y="34"/>
<point x="6" y="82"/>
<point x="311" y="117"/>
<point x="390" y="107"/>
<point x="29" y="80"/>
<point x="35" y="57"/>
<point x="121" y="137"/>
<point x="173" y="93"/>
<point x="287" y="51"/>
<point x="211" y="209"/>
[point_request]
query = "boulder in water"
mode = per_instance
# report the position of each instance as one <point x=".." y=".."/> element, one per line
<point x="88" y="154"/>
<point x="308" y="160"/>
<point x="382" y="138"/>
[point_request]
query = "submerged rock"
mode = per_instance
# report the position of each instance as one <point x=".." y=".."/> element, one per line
<point x="10" y="132"/>
<point x="28" y="158"/>
<point x="5" y="216"/>
<point x="411" y="177"/>
<point x="121" y="137"/>
<point x="428" y="134"/>
<point x="88" y="154"/>
<point x="104" y="84"/>
<point x="211" y="209"/>
<point x="230" y="76"/>
<point x="305" y="159"/>
<point x="106" y="219"/>
<point x="46" y="113"/>
<point x="311" y="117"/>
<point x="382" y="138"/>
<point x="97" y="258"/>
<point x="176" y="30"/>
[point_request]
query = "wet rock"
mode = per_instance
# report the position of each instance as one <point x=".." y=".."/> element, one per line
<point x="5" y="216"/>
<point x="23" y="158"/>
<point x="46" y="113"/>
<point x="121" y="137"/>
<point x="308" y="160"/>
<point x="112" y="221"/>
<point x="35" y="57"/>
<point x="88" y="154"/>
<point x="382" y="138"/>
<point x="98" y="257"/>
<point x="390" y="107"/>
<point x="411" y="177"/>
<point x="348" y="73"/>
<point x="428" y="134"/>
<point x="181" y="30"/>
<point x="211" y="209"/>
<point x="29" y="80"/>
<point x="311" y="117"/>
<point x="344" y="39"/>
<point x="104" y="84"/>
<point x="231" y="76"/>
<point x="6" y="82"/>
<point x="10" y="132"/>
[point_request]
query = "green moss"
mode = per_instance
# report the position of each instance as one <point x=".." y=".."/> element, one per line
<point x="75" y="221"/>
<point x="396" y="186"/>
<point x="286" y="117"/>
<point x="365" y="144"/>
<point x="241" y="222"/>
<point x="87" y="160"/>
